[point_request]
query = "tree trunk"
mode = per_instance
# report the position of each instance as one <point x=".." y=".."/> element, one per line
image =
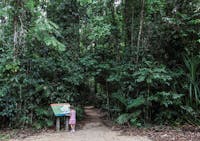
<point x="115" y="32"/>
<point x="130" y="14"/>
<point x="15" y="37"/>
<point x="140" y="30"/>
<point x="18" y="29"/>
<point x="132" y="35"/>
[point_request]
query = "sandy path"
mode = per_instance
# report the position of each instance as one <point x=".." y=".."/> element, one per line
<point x="93" y="130"/>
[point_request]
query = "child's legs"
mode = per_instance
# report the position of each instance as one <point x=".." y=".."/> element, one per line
<point x="73" y="126"/>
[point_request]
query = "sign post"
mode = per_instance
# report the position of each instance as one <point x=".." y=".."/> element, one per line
<point x="61" y="110"/>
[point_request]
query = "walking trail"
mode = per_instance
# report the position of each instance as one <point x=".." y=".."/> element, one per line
<point x="93" y="130"/>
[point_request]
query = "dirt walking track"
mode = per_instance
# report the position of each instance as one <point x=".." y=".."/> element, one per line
<point x="93" y="130"/>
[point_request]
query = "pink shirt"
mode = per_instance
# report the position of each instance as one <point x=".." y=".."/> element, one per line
<point x="72" y="115"/>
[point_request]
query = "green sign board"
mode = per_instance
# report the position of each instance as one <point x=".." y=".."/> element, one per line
<point x="61" y="109"/>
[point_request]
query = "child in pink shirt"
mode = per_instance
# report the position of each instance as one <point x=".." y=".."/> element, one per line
<point x="72" y="119"/>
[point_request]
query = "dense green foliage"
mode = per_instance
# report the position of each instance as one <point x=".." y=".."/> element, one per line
<point x="138" y="60"/>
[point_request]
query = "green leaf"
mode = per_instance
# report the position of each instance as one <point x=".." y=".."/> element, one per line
<point x="30" y="4"/>
<point x="122" y="119"/>
<point x="120" y="98"/>
<point x="189" y="110"/>
<point x="49" y="123"/>
<point x="136" y="102"/>
<point x="135" y="114"/>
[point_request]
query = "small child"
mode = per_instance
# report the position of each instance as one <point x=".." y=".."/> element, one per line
<point x="72" y="119"/>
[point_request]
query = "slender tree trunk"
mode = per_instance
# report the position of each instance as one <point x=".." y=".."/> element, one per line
<point x="127" y="24"/>
<point x="78" y="24"/>
<point x="19" y="31"/>
<point x="108" y="100"/>
<point x="140" y="30"/>
<point x="16" y="5"/>
<point x="15" y="37"/>
<point x="129" y="16"/>
<point x="115" y="32"/>
<point x="132" y="35"/>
